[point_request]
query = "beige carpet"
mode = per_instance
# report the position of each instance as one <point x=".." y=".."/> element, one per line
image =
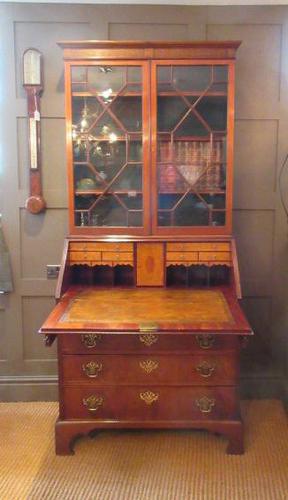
<point x="130" y="465"/>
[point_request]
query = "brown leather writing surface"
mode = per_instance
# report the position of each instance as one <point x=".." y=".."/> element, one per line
<point x="134" y="309"/>
<point x="148" y="305"/>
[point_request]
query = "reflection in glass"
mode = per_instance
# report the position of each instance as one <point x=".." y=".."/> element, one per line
<point x="107" y="145"/>
<point x="169" y="111"/>
<point x="192" y="78"/>
<point x="214" y="112"/>
<point x="191" y="145"/>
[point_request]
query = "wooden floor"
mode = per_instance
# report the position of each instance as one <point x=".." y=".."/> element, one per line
<point x="138" y="465"/>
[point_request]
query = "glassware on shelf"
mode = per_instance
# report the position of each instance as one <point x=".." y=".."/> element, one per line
<point x="107" y="145"/>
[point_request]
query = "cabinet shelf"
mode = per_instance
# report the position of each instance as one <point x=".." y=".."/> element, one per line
<point x="137" y="136"/>
<point x="100" y="191"/>
<point x="159" y="94"/>
<point x="200" y="191"/>
<point x="193" y="138"/>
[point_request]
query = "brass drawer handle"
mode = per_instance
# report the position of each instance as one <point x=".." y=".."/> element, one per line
<point x="148" y="397"/>
<point x="205" y="341"/>
<point x="205" y="369"/>
<point x="148" y="365"/>
<point x="148" y="339"/>
<point x="92" y="369"/>
<point x="90" y="340"/>
<point x="205" y="404"/>
<point x="93" y="403"/>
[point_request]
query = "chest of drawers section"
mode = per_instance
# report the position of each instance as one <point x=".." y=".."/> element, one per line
<point x="151" y="380"/>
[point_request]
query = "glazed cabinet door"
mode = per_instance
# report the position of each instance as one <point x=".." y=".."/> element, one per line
<point x="108" y="146"/>
<point x="192" y="134"/>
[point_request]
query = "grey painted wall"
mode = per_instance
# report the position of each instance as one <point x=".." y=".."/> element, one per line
<point x="27" y="368"/>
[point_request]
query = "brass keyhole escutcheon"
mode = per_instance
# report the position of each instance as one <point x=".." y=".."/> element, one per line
<point x="92" y="369"/>
<point x="90" y="340"/>
<point x="93" y="403"/>
<point x="205" y="341"/>
<point x="205" y="404"/>
<point x="205" y="369"/>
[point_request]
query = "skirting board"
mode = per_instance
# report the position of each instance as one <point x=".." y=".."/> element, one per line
<point x="45" y="388"/>
<point x="29" y="388"/>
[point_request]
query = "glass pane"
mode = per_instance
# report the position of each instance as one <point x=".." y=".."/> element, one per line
<point x="108" y="157"/>
<point x="85" y="111"/>
<point x="134" y="150"/>
<point x="135" y="218"/>
<point x="109" y="212"/>
<point x="220" y="73"/>
<point x="106" y="80"/>
<point x="214" y="111"/>
<point x="164" y="74"/>
<point x="128" y="110"/>
<point x="80" y="149"/>
<point x="218" y="218"/>
<point x="170" y="110"/>
<point x="192" y="125"/>
<point x="191" y="148"/>
<point x="108" y="128"/>
<point x="168" y="200"/>
<point x="192" y="78"/>
<point x="79" y="79"/>
<point x="84" y="202"/>
<point x="107" y="146"/>
<point x="134" y="74"/>
<point x="84" y="178"/>
<point x="78" y="74"/>
<point x="129" y="179"/>
<point x="192" y="212"/>
<point x="164" y="218"/>
<point x="171" y="179"/>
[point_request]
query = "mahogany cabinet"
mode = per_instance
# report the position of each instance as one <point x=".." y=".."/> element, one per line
<point x="147" y="318"/>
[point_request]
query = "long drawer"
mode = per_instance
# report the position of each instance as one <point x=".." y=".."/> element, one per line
<point x="85" y="343"/>
<point x="201" y="369"/>
<point x="149" y="403"/>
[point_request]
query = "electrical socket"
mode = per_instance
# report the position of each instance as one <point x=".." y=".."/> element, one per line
<point x="52" y="271"/>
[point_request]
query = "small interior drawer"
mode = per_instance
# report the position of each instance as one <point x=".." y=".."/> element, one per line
<point x="195" y="246"/>
<point x="214" y="256"/>
<point x="115" y="256"/>
<point x="85" y="256"/>
<point x="181" y="256"/>
<point x="101" y="246"/>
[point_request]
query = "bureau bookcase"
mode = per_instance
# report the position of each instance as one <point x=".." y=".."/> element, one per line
<point x="147" y="320"/>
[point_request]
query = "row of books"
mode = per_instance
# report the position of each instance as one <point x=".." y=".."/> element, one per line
<point x="190" y="163"/>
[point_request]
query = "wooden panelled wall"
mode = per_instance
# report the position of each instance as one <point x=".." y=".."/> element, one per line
<point x="27" y="368"/>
